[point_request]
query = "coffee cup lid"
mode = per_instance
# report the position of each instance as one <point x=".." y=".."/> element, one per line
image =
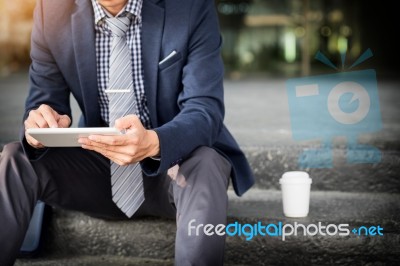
<point x="295" y="177"/>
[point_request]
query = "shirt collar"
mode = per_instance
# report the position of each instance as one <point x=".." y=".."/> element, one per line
<point x="133" y="7"/>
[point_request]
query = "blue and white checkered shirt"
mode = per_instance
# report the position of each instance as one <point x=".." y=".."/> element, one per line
<point x="103" y="49"/>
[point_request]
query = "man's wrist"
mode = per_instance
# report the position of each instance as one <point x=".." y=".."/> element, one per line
<point x="154" y="149"/>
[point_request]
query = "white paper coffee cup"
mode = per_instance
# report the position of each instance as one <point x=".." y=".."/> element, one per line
<point x="295" y="187"/>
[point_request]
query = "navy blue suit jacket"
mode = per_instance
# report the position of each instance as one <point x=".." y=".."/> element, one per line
<point x="184" y="94"/>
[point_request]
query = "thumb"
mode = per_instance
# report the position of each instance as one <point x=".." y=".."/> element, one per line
<point x="126" y="122"/>
<point x="64" y="121"/>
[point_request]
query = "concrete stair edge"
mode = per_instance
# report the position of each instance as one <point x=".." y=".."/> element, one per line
<point x="269" y="163"/>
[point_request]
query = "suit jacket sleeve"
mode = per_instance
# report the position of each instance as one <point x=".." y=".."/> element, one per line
<point x="201" y="100"/>
<point x="47" y="85"/>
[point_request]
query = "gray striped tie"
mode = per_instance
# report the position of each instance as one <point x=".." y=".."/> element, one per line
<point x="127" y="181"/>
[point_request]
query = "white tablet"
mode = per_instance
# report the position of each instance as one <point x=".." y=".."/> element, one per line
<point x="67" y="137"/>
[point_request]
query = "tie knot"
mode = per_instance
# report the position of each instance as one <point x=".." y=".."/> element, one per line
<point x="119" y="25"/>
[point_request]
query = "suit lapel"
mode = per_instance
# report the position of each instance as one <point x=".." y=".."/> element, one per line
<point x="152" y="29"/>
<point x="83" y="37"/>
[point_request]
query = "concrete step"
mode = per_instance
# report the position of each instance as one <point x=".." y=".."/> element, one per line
<point x="269" y="163"/>
<point x="76" y="239"/>
<point x="92" y="261"/>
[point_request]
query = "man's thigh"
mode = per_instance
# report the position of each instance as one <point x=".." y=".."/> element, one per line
<point x="76" y="179"/>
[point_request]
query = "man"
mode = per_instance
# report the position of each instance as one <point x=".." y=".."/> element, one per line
<point x="165" y="56"/>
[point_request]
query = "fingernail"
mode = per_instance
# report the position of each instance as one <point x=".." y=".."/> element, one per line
<point x="92" y="137"/>
<point x="81" y="141"/>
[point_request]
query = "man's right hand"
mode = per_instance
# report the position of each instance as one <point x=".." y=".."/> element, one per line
<point x="44" y="117"/>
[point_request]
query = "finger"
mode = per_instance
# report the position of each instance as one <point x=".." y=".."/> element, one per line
<point x="123" y="150"/>
<point x="114" y="156"/>
<point x="127" y="122"/>
<point x="29" y="124"/>
<point x="33" y="142"/>
<point x="109" y="154"/>
<point x="101" y="145"/>
<point x="64" y="121"/>
<point x="109" y="140"/>
<point x="115" y="159"/>
<point x="37" y="120"/>
<point x="49" y="115"/>
<point x="88" y="142"/>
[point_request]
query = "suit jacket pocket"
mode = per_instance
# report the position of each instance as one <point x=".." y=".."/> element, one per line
<point x="171" y="61"/>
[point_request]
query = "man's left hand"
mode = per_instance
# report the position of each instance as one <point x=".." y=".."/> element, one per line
<point x="135" y="145"/>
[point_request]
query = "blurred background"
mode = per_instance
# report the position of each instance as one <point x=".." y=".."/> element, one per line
<point x="15" y="30"/>
<point x="281" y="37"/>
<point x="261" y="37"/>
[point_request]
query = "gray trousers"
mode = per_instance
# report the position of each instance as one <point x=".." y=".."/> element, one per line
<point x="77" y="179"/>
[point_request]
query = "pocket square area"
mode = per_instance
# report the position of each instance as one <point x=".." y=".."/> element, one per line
<point x="168" y="57"/>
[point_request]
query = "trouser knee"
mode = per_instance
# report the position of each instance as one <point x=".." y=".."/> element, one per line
<point x="211" y="165"/>
<point x="12" y="150"/>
